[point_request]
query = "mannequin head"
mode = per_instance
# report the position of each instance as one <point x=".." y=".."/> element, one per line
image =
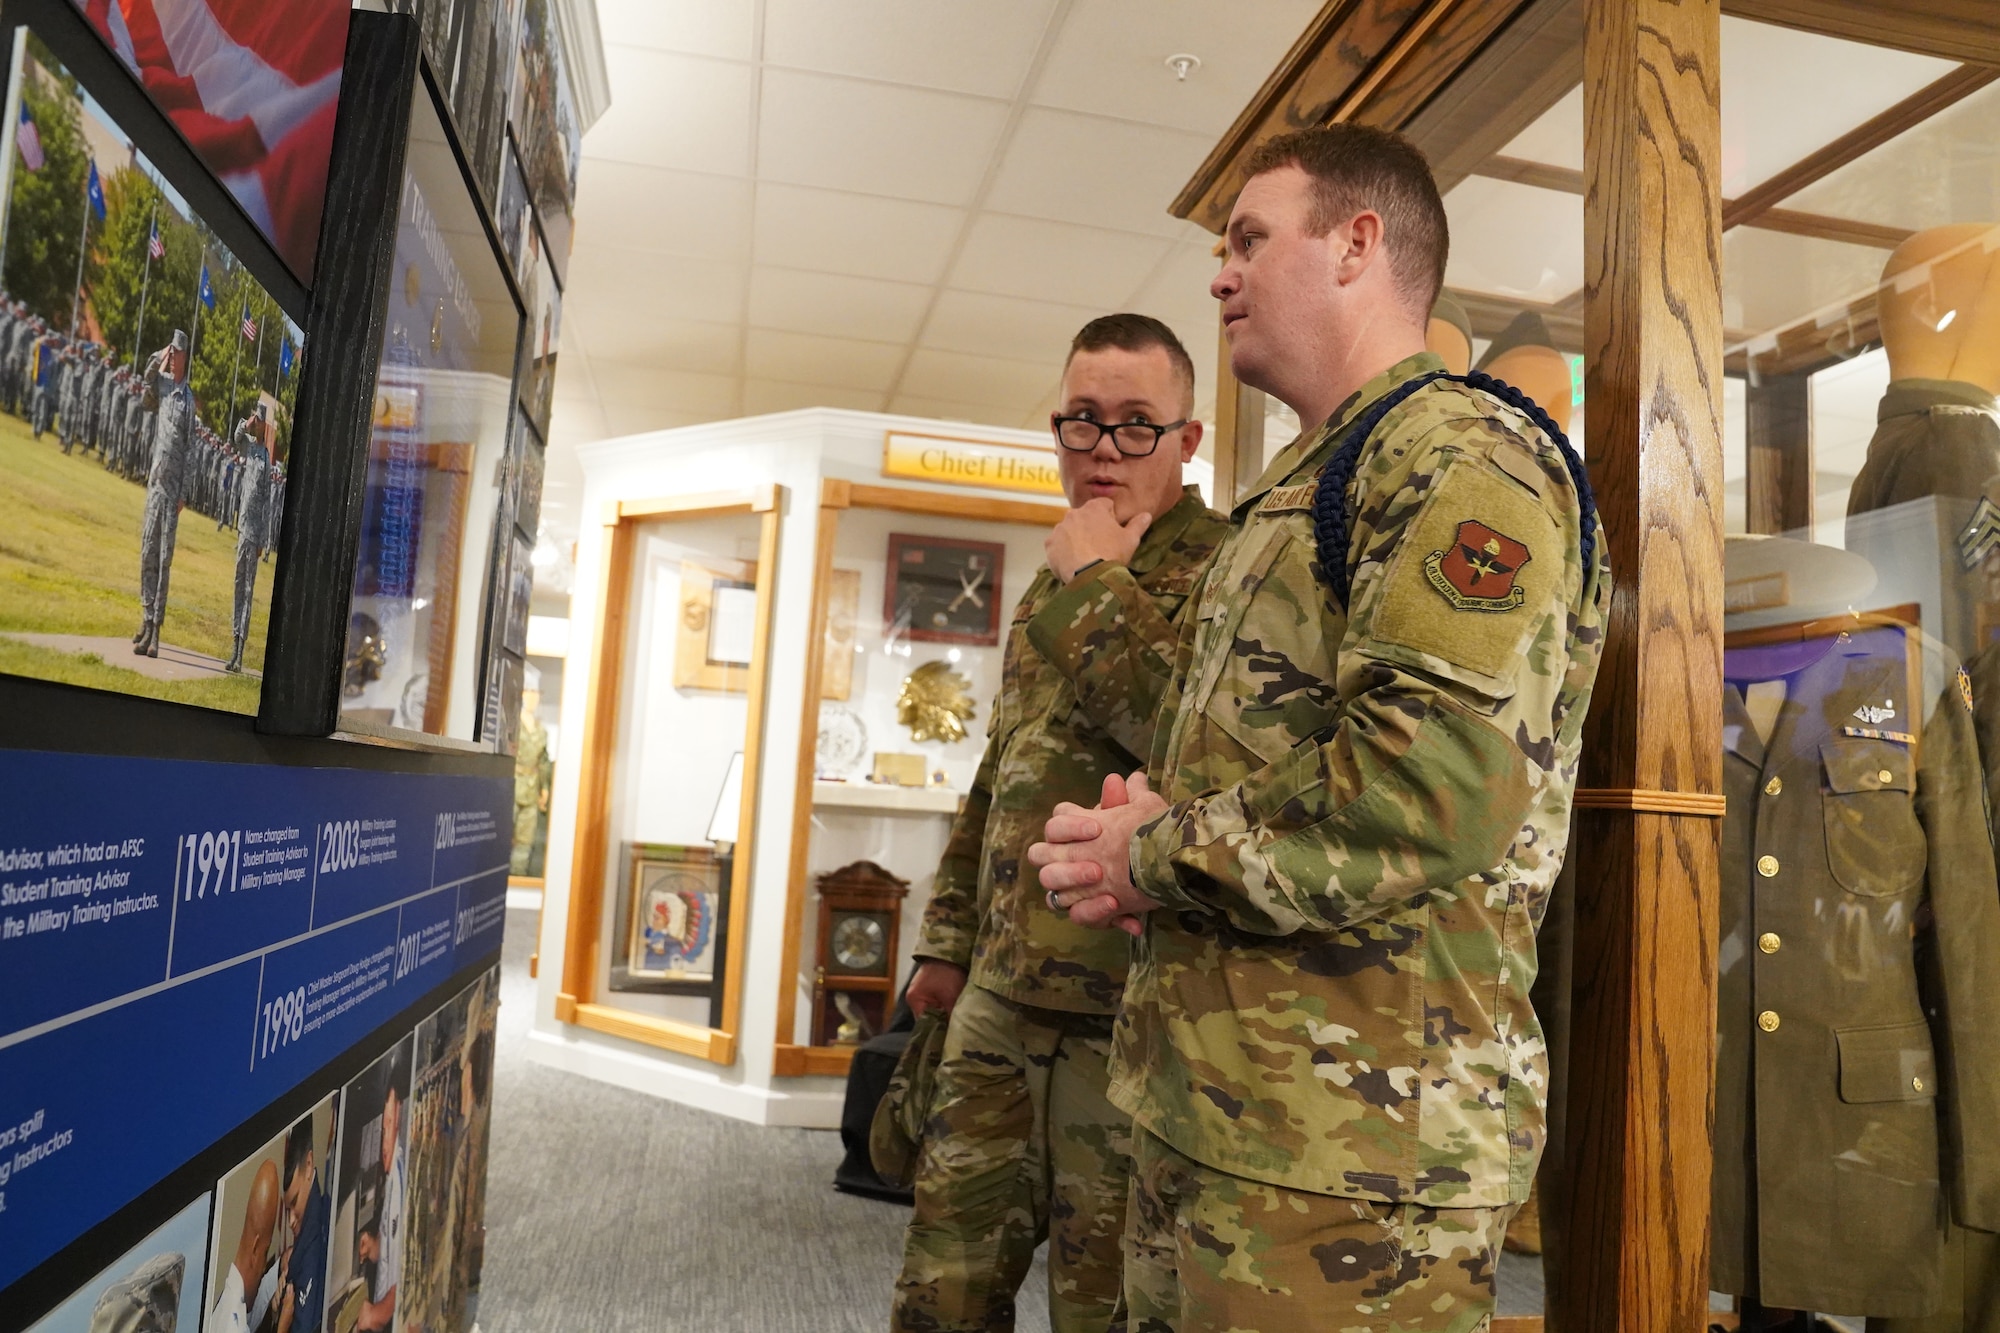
<point x="1939" y="306"/>
<point x="1525" y="356"/>
<point x="1449" y="335"/>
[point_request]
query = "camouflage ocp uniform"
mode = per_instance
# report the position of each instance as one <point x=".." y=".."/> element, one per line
<point x="1022" y="1140"/>
<point x="1336" y="1076"/>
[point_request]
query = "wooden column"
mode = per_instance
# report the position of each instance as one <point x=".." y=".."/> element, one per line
<point x="1778" y="487"/>
<point x="1647" y="830"/>
<point x="1239" y="430"/>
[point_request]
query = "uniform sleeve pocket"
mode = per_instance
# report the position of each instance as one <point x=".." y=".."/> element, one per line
<point x="1891" y="1064"/>
<point x="1874" y="844"/>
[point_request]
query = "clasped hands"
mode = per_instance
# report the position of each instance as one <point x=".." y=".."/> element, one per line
<point x="1085" y="866"/>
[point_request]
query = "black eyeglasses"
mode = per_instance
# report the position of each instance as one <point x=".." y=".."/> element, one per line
<point x="1134" y="439"/>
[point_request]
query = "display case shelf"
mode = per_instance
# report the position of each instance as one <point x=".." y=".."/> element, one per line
<point x="882" y="797"/>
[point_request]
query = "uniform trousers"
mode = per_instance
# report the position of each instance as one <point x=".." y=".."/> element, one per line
<point x="1021" y="1143"/>
<point x="247" y="553"/>
<point x="156" y="553"/>
<point x="1208" y="1252"/>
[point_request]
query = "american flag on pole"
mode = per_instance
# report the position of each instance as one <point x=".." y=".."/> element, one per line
<point x="249" y="324"/>
<point x="252" y="85"/>
<point x="30" y="139"/>
<point x="156" y="247"/>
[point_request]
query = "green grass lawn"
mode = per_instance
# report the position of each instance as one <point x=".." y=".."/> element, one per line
<point x="69" y="564"/>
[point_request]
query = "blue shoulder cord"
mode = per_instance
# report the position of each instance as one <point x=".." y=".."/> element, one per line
<point x="1332" y="524"/>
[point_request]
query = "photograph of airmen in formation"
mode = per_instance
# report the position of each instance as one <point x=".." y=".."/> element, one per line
<point x="143" y="372"/>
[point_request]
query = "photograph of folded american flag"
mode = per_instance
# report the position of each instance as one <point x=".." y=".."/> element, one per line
<point x="252" y="85"/>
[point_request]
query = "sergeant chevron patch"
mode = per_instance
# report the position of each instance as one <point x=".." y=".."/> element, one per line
<point x="1980" y="535"/>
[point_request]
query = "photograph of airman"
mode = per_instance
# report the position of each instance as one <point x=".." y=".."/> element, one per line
<point x="1022" y="1143"/>
<point x="133" y="345"/>
<point x="1348" y="828"/>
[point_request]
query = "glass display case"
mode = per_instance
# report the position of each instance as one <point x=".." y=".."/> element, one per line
<point x="1857" y="1126"/>
<point x="437" y="550"/>
<point x="912" y="594"/>
<point x="672" y="734"/>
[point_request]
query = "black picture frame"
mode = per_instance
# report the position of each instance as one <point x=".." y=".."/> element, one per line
<point x="943" y="589"/>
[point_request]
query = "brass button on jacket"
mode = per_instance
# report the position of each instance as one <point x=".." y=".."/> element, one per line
<point x="1831" y="1169"/>
<point x="1774" y="786"/>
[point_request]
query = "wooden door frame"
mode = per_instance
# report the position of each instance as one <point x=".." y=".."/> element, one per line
<point x="577" y="1001"/>
<point x="788" y="1057"/>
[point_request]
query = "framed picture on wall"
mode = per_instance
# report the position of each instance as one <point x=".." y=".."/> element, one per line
<point x="673" y="906"/>
<point x="715" y="634"/>
<point x="944" y="589"/>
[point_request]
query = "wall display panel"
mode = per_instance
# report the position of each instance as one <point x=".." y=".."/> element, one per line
<point x="247" y="950"/>
<point x="147" y="387"/>
<point x="436" y="461"/>
<point x="1861" y="698"/>
<point x="253" y="88"/>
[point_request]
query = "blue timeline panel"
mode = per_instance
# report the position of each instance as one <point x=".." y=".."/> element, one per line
<point x="182" y="943"/>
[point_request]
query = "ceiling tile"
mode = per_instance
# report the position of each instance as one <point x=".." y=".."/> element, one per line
<point x="761" y="396"/>
<point x="574" y="421"/>
<point x="1055" y="261"/>
<point x="801" y="358"/>
<point x="863" y="235"/>
<point x="1034" y="331"/>
<point x="1101" y="173"/>
<point x="966" y="46"/>
<point x="669" y="212"/>
<point x="916" y="405"/>
<point x="628" y="386"/>
<point x="955" y="377"/>
<point x="835" y="306"/>
<point x="669" y="286"/>
<point x="640" y="334"/>
<point x="874" y="138"/>
<point x="726" y="29"/>
<point x="1111" y="58"/>
<point x="706" y="104"/>
<point x="639" y="420"/>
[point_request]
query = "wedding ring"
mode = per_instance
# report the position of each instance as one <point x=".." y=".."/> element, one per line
<point x="1054" y="906"/>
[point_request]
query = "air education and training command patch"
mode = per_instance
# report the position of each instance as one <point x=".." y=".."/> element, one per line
<point x="1477" y="572"/>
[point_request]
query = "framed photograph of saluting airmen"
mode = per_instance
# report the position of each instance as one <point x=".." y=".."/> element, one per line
<point x="147" y="388"/>
<point x="944" y="589"/>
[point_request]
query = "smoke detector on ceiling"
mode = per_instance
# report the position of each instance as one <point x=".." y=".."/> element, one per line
<point x="1182" y="65"/>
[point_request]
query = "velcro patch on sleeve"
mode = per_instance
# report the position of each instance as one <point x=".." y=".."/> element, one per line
<point x="1472" y="575"/>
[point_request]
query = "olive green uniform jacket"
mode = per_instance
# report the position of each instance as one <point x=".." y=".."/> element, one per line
<point x="1079" y="694"/>
<point x="1936" y="443"/>
<point x="1858" y="1015"/>
<point x="1368" y="812"/>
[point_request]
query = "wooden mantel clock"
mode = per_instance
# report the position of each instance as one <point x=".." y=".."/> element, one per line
<point x="854" y="987"/>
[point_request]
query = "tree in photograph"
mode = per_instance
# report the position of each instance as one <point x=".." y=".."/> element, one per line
<point x="126" y="273"/>
<point x="46" y="207"/>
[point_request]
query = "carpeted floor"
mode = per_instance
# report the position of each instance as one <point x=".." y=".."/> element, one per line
<point x="612" y="1212"/>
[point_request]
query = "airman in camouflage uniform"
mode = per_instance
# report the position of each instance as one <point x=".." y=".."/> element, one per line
<point x="168" y="397"/>
<point x="1336" y="1077"/>
<point x="1021" y="1140"/>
